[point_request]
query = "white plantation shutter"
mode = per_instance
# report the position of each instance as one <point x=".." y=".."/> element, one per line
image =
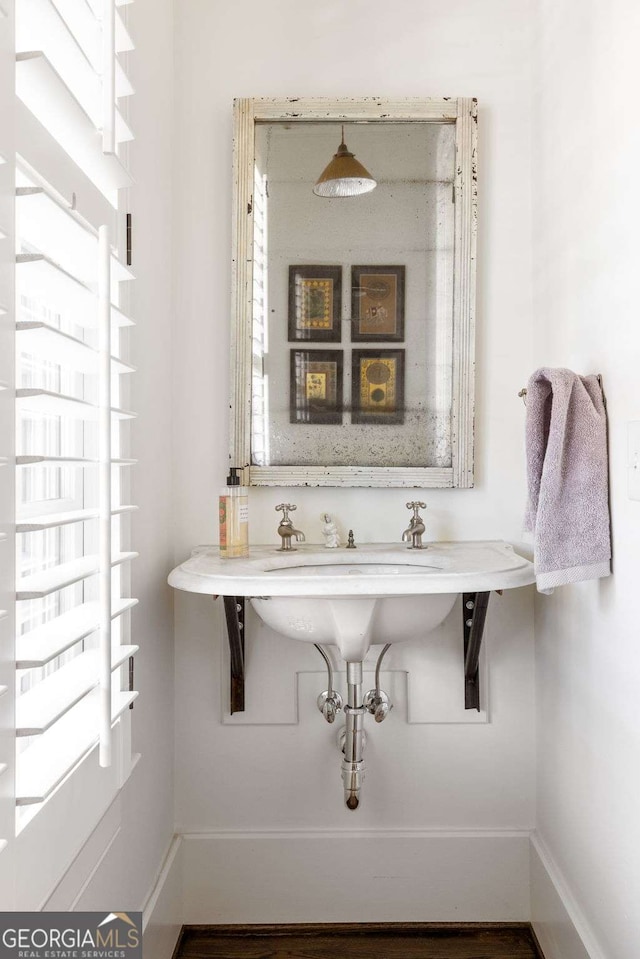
<point x="72" y="625"/>
<point x="7" y="677"/>
<point x="4" y="613"/>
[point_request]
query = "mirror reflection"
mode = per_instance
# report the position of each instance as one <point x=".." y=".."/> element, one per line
<point x="352" y="336"/>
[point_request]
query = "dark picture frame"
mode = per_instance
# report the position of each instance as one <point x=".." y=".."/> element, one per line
<point x="316" y="378"/>
<point x="377" y="386"/>
<point x="315" y="303"/>
<point x="377" y="303"/>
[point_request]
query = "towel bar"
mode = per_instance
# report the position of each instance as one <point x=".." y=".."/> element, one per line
<point x="523" y="392"/>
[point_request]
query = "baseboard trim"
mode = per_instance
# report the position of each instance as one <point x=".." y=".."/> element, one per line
<point x="405" y="878"/>
<point x="355" y="834"/>
<point x="334" y="876"/>
<point x="559" y="924"/>
<point x="162" y="911"/>
<point x="176" y="949"/>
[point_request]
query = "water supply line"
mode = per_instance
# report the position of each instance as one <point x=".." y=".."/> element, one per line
<point x="330" y="701"/>
<point x="376" y="701"/>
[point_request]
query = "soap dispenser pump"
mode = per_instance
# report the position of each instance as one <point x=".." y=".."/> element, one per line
<point x="234" y="518"/>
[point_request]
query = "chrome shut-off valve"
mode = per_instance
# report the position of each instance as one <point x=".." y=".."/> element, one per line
<point x="377" y="704"/>
<point x="329" y="704"/>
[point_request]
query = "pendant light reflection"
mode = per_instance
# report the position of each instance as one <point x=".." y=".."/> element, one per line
<point x="344" y="176"/>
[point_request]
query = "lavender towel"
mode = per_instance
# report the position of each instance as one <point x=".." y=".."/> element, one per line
<point x="568" y="507"/>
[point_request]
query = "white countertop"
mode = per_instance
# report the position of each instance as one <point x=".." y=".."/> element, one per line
<point x="370" y="570"/>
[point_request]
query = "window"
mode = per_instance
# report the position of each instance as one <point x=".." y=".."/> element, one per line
<point x="74" y="658"/>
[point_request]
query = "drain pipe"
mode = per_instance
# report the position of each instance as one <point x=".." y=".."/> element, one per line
<point x="353" y="763"/>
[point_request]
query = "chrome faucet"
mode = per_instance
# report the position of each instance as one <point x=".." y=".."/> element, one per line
<point x="416" y="526"/>
<point x="286" y="529"/>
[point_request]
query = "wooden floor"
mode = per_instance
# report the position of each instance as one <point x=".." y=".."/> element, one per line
<point x="346" y="941"/>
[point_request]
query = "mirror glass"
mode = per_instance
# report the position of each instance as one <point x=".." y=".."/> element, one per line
<point x="352" y="349"/>
<point x="353" y="298"/>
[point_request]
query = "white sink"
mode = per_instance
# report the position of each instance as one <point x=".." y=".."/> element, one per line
<point x="355" y="598"/>
<point x="353" y="624"/>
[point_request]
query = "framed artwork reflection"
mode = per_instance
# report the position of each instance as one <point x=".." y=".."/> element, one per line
<point x="315" y="303"/>
<point x="377" y="303"/>
<point x="316" y="386"/>
<point x="377" y="386"/>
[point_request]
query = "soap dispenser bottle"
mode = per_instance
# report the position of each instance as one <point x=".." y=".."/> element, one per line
<point x="234" y="518"/>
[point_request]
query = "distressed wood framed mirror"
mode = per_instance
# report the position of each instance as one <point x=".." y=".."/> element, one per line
<point x="352" y="347"/>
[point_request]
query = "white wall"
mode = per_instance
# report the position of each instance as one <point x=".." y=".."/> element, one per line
<point x="587" y="289"/>
<point x="234" y="779"/>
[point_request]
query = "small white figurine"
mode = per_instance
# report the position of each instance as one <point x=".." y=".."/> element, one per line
<point x="330" y="532"/>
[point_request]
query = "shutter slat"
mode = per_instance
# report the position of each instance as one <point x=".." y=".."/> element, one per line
<point x="38" y="459"/>
<point x="60" y="234"/>
<point x="124" y="43"/>
<point x="74" y="100"/>
<point x="48" y="761"/>
<point x="44" y="93"/>
<point x="37" y="149"/>
<point x="41" y="645"/>
<point x="53" y="520"/>
<point x="41" y="26"/>
<point x="51" y="698"/>
<point x="44" y="704"/>
<point x="47" y="280"/>
<point x="38" y="585"/>
<point x="35" y="400"/>
<point x="38" y="337"/>
<point x="81" y="22"/>
<point x="124" y="87"/>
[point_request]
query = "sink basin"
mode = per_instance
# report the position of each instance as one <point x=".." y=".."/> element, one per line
<point x="354" y="599"/>
<point x="353" y="624"/>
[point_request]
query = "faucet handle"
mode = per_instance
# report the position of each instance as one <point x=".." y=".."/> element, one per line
<point x="415" y="505"/>
<point x="286" y="509"/>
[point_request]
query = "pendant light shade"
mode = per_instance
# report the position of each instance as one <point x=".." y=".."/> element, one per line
<point x="344" y="176"/>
